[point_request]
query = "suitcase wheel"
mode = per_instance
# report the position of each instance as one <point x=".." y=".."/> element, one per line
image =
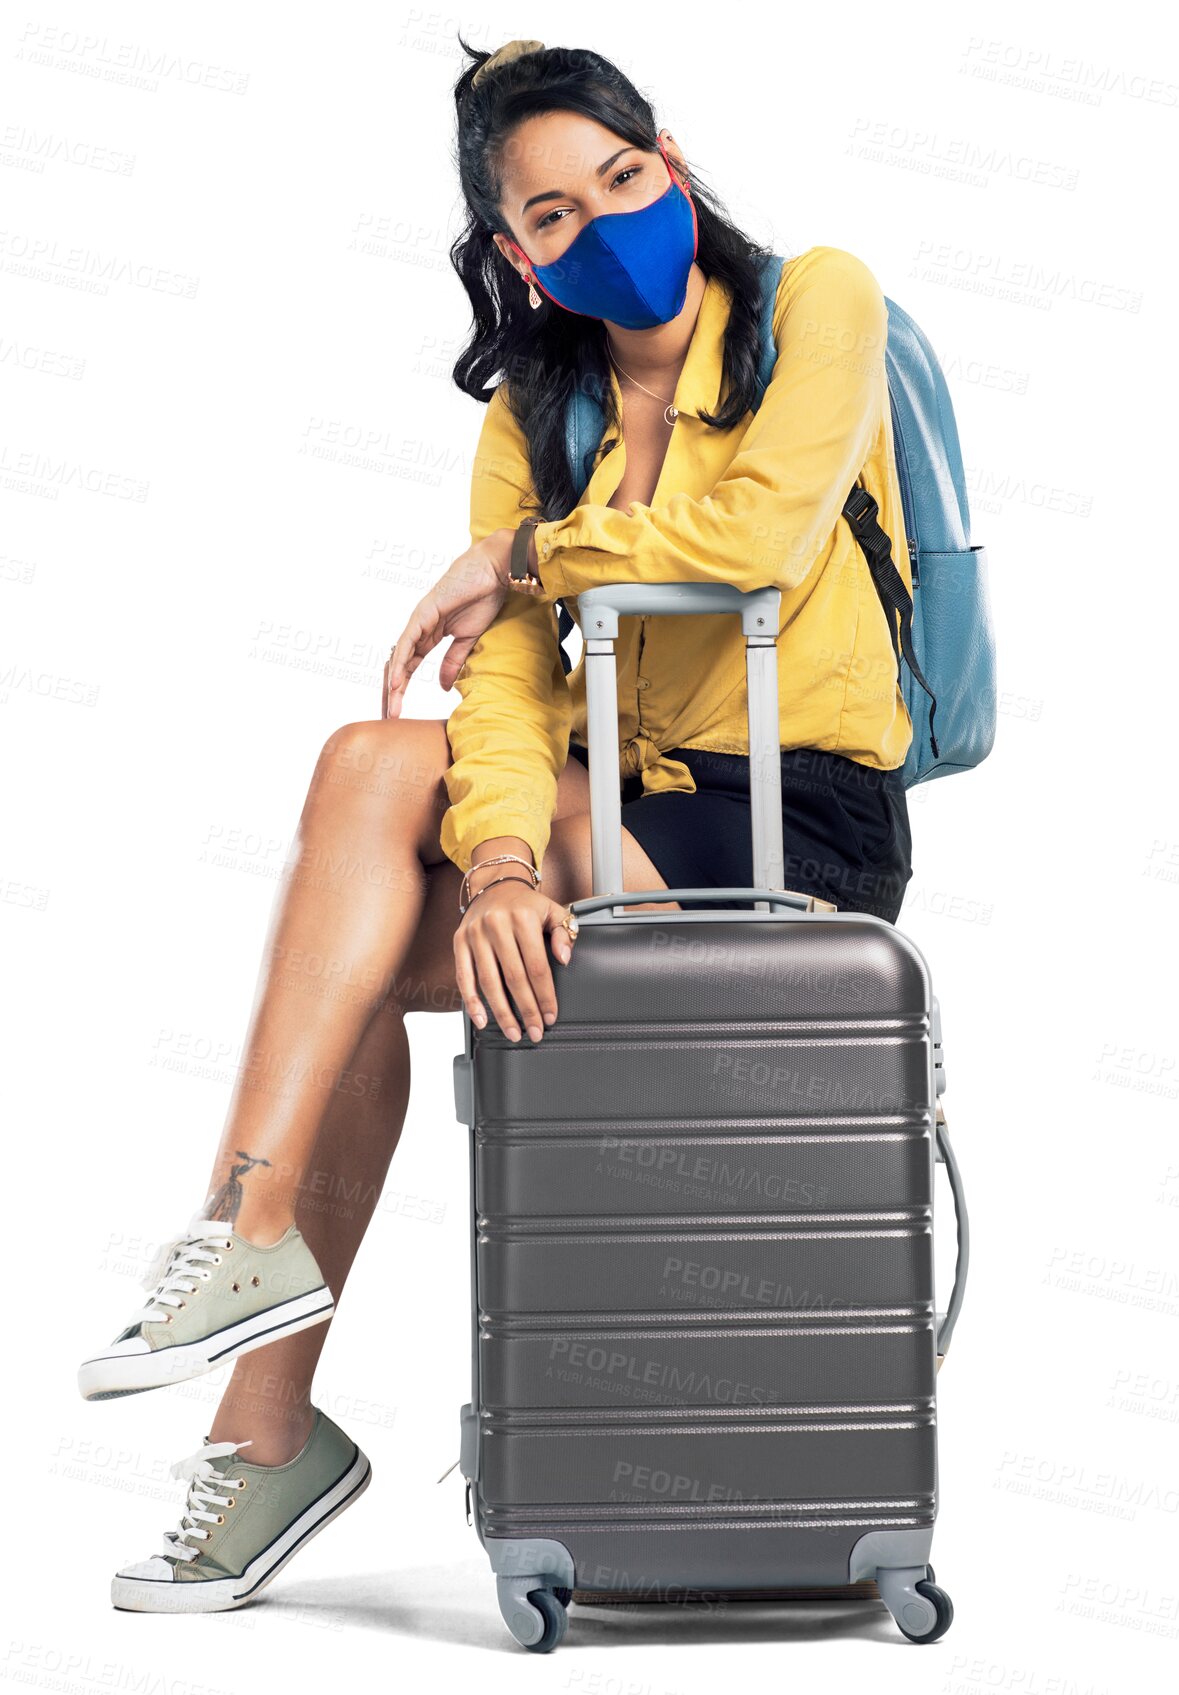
<point x="537" y="1618"/>
<point x="944" y="1609"/>
<point x="921" y="1611"/>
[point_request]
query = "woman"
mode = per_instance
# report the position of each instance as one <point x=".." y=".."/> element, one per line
<point x="656" y="306"/>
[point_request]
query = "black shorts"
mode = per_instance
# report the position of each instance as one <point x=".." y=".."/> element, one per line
<point x="845" y="828"/>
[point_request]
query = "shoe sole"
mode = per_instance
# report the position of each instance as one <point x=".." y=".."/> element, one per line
<point x="217" y="1595"/>
<point x="111" y="1375"/>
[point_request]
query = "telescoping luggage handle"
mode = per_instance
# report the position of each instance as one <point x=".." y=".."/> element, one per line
<point x="758" y="610"/>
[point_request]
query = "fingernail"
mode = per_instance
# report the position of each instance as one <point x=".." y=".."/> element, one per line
<point x="535" y="1031"/>
<point x="480" y="1017"/>
<point x="550" y="1017"/>
<point x="512" y="1033"/>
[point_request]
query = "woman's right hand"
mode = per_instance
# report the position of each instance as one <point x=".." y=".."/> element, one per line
<point x="500" y="941"/>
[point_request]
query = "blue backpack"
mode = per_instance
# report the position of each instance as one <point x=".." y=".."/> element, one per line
<point x="943" y="631"/>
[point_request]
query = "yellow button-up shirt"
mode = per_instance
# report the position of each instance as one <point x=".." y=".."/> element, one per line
<point x="755" y="505"/>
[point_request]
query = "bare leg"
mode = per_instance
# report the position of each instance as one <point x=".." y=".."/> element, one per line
<point x="329" y="1151"/>
<point x="350" y="903"/>
<point x="269" y="1393"/>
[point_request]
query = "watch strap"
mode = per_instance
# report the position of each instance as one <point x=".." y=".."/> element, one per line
<point x="519" y="575"/>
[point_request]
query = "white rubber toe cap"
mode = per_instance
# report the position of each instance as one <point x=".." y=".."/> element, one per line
<point x="123" y="1350"/>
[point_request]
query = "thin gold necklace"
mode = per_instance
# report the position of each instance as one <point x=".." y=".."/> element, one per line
<point x="670" y="412"/>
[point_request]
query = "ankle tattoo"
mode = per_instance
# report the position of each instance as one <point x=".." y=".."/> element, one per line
<point x="225" y="1203"/>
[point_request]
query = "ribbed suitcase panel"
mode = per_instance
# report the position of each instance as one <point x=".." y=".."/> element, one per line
<point x="714" y="1466"/>
<point x="785" y="1072"/>
<point x="617" y="1171"/>
<point x="823" y="1362"/>
<point x="814" y="1267"/>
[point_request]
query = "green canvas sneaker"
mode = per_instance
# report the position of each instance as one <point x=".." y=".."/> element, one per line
<point x="243" y="1522"/>
<point x="214" y="1295"/>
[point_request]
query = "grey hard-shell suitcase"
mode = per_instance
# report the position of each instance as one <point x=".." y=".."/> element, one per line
<point x="705" y="1340"/>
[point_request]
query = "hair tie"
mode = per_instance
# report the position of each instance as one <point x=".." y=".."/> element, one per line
<point x="503" y="56"/>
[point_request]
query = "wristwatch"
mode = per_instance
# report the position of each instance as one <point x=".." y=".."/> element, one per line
<point x="519" y="576"/>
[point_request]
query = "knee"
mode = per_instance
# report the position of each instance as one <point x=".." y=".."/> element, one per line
<point x="397" y="763"/>
<point x="376" y="755"/>
<point x="365" y="745"/>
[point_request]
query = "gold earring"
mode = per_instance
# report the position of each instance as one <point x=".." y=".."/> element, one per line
<point x="533" y="297"/>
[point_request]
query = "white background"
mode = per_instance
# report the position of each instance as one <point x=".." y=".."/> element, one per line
<point x="170" y="666"/>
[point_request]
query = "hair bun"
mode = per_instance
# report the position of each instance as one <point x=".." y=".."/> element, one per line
<point x="503" y="56"/>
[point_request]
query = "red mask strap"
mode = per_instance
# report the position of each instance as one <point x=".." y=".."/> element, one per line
<point x="687" y="197"/>
<point x="666" y="160"/>
<point x="521" y="252"/>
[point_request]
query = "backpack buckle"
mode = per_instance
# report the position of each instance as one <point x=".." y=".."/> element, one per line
<point x="860" y="505"/>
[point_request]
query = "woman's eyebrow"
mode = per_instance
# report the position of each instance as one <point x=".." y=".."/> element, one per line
<point x="555" y="193"/>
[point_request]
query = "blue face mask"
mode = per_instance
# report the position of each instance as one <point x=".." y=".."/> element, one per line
<point x="628" y="267"/>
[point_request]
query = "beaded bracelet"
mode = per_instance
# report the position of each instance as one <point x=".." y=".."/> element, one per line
<point x="491" y="885"/>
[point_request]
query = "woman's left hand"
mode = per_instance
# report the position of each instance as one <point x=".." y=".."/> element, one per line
<point x="464" y="601"/>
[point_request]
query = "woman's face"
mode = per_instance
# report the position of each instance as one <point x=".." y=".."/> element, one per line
<point x="561" y="169"/>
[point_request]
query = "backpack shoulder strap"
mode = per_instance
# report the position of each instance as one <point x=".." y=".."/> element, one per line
<point x="771" y="274"/>
<point x="862" y="514"/>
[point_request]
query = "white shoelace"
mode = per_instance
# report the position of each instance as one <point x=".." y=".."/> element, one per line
<point x="208" y="1492"/>
<point x="180" y="1263"/>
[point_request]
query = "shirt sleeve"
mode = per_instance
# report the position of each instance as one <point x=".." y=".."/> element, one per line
<point x="509" y="735"/>
<point x="772" y="514"/>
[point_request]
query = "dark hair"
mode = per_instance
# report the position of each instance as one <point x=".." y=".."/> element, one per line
<point x="545" y="354"/>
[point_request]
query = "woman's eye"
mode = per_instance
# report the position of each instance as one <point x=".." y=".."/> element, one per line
<point x="626" y="172"/>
